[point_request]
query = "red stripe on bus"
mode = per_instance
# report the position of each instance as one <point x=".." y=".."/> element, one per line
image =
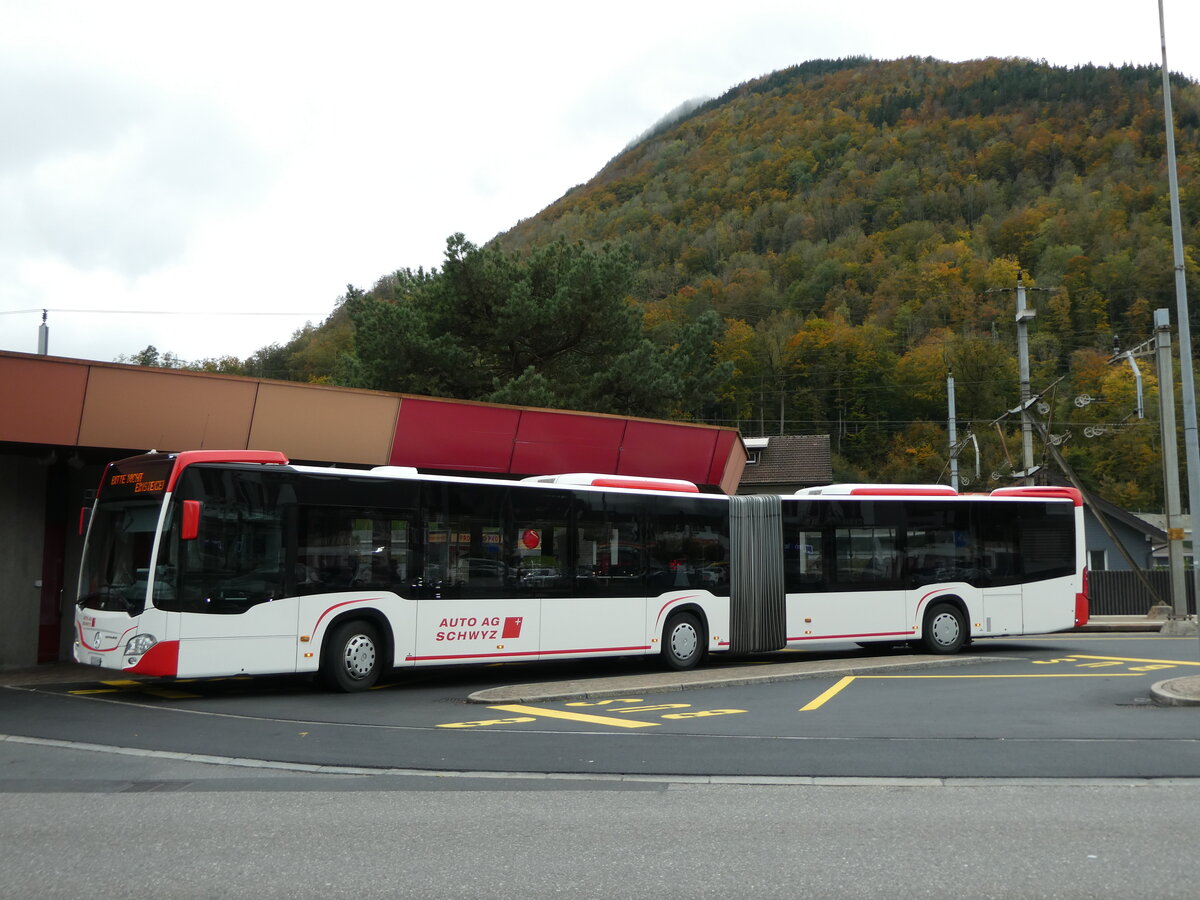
<point x="829" y="637"/>
<point x="187" y="457"/>
<point x="330" y="609"/>
<point x="902" y="492"/>
<point x="1047" y="491"/>
<point x="921" y="602"/>
<point x="671" y="603"/>
<point x="161" y="659"/>
<point x="646" y="484"/>
<point x="120" y="640"/>
<point x="529" y="653"/>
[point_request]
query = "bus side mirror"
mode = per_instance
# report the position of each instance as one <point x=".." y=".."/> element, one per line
<point x="191" y="520"/>
<point x="85" y="517"/>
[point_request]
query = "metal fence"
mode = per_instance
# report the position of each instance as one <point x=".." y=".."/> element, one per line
<point x="1122" y="593"/>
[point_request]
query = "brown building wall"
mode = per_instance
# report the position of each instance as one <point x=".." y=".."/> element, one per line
<point x="324" y="424"/>
<point x="41" y="401"/>
<point x="161" y="410"/>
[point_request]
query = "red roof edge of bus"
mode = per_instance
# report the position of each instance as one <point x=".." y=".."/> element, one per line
<point x="1051" y="491"/>
<point x="901" y="491"/>
<point x="647" y="484"/>
<point x="186" y="458"/>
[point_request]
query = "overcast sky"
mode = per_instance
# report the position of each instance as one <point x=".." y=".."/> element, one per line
<point x="230" y="158"/>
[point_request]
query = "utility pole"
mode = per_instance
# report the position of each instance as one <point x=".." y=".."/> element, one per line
<point x="1191" y="442"/>
<point x="1170" y="456"/>
<point x="1023" y="317"/>
<point x="953" y="428"/>
<point x="44" y="336"/>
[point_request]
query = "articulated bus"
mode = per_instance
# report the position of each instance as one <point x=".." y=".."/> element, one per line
<point x="218" y="563"/>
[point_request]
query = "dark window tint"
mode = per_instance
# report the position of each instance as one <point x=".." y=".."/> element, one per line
<point x="538" y="543"/>
<point x="465" y="554"/>
<point x="688" y="545"/>
<point x="804" y="546"/>
<point x="1024" y="541"/>
<point x="347" y="549"/>
<point x="940" y="544"/>
<point x="237" y="560"/>
<point x="866" y="538"/>
<point x="116" y="566"/>
<point x="610" y="558"/>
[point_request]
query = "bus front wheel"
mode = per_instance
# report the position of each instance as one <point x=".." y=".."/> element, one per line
<point x="353" y="657"/>
<point x="945" y="629"/>
<point x="683" y="642"/>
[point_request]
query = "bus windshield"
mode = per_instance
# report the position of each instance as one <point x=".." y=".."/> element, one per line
<point x="116" y="562"/>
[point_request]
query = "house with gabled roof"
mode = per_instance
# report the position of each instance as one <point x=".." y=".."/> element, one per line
<point x="782" y="464"/>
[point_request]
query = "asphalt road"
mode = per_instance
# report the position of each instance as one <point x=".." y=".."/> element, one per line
<point x="1059" y="706"/>
<point x="678" y="841"/>
<point x="1035" y="768"/>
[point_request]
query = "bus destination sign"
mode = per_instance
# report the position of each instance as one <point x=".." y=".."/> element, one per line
<point x="148" y="478"/>
<point x="138" y="479"/>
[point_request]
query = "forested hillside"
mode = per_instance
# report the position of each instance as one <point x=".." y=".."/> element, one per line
<point x="810" y="253"/>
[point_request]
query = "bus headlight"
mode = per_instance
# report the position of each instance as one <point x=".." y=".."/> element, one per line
<point x="139" y="644"/>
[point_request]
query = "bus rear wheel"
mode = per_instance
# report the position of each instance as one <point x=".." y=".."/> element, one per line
<point x="683" y="642"/>
<point x="353" y="657"/>
<point x="945" y="629"/>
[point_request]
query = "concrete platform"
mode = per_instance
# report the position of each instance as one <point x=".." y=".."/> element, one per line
<point x="1177" y="691"/>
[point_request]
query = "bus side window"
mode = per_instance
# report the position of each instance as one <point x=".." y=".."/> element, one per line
<point x="237" y="559"/>
<point x="688" y="546"/>
<point x="609" y="546"/>
<point x="866" y="544"/>
<point x="538" y="545"/>
<point x="804" y="546"/>
<point x="464" y="548"/>
<point x="343" y="549"/>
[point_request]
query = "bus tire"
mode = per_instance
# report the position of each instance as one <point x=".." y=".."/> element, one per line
<point x="945" y="629"/>
<point x="683" y="642"/>
<point x="353" y="657"/>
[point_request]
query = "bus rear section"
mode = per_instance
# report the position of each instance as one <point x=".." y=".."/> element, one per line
<point x="889" y="564"/>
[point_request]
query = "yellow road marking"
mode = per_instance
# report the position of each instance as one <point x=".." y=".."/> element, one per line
<point x="138" y="687"/>
<point x="574" y="716"/>
<point x="703" y="713"/>
<point x="819" y="700"/>
<point x="1040" y="675"/>
<point x="1176" y="662"/>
